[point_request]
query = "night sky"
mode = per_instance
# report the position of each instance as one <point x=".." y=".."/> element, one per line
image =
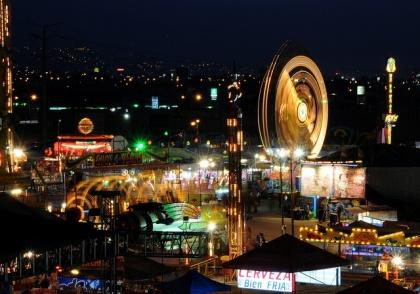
<point x="342" y="35"/>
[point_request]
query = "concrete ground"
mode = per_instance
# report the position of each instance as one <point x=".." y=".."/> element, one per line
<point x="267" y="220"/>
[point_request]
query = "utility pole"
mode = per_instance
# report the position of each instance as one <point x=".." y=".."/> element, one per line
<point x="292" y="199"/>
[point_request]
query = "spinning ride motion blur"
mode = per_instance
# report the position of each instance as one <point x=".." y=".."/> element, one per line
<point x="293" y="103"/>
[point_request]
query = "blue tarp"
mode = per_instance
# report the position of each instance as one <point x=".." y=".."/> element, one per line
<point x="195" y="283"/>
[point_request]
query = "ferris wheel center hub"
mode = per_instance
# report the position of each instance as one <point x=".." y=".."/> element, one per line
<point x="302" y="112"/>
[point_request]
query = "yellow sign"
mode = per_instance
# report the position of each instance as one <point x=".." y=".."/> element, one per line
<point x="85" y="126"/>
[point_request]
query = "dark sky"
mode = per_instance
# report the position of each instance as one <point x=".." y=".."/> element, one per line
<point x="342" y="35"/>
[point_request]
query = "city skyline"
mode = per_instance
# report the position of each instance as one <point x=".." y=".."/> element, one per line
<point x="343" y="37"/>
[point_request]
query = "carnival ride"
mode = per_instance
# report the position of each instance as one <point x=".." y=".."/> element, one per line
<point x="390" y="118"/>
<point x="293" y="103"/>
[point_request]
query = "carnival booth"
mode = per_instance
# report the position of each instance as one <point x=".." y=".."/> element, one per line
<point x="333" y="189"/>
<point x="280" y="263"/>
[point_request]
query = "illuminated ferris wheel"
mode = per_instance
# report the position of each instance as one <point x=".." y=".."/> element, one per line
<point x="293" y="103"/>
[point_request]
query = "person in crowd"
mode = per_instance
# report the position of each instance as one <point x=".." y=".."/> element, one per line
<point x="306" y="211"/>
<point x="339" y="210"/>
<point x="254" y="201"/>
<point x="321" y="213"/>
<point x="283" y="229"/>
<point x="260" y="239"/>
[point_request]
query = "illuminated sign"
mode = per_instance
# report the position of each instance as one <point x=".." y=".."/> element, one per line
<point x="155" y="102"/>
<point x="360" y="90"/>
<point x="85" y="126"/>
<point x="234" y="92"/>
<point x="328" y="276"/>
<point x="78" y="148"/>
<point x="117" y="158"/>
<point x="73" y="283"/>
<point x="337" y="181"/>
<point x="213" y="94"/>
<point x="270" y="281"/>
<point x="371" y="220"/>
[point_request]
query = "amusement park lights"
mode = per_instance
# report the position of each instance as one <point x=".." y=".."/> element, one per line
<point x="18" y="153"/>
<point x="282" y="153"/>
<point x="211" y="226"/>
<point x="195" y="122"/>
<point x="198" y="97"/>
<point x="28" y="254"/>
<point x="16" y="191"/>
<point x="140" y="145"/>
<point x="390" y="118"/>
<point x="75" y="272"/>
<point x="298" y="153"/>
<point x="204" y="163"/>
<point x="397" y="261"/>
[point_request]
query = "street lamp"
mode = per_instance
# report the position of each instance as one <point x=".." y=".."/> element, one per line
<point x="256" y="156"/>
<point x="75" y="272"/>
<point x="398" y="264"/>
<point x="196" y="123"/>
<point x="18" y="153"/>
<point x="204" y="163"/>
<point x="296" y="155"/>
<point x="282" y="154"/>
<point x="198" y="97"/>
<point x="211" y="227"/>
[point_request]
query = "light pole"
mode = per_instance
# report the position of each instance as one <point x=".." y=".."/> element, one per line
<point x="60" y="168"/>
<point x="398" y="264"/>
<point x="282" y="154"/>
<point x="196" y="123"/>
<point x="204" y="164"/>
<point x="296" y="154"/>
<point x="211" y="227"/>
<point x="256" y="156"/>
